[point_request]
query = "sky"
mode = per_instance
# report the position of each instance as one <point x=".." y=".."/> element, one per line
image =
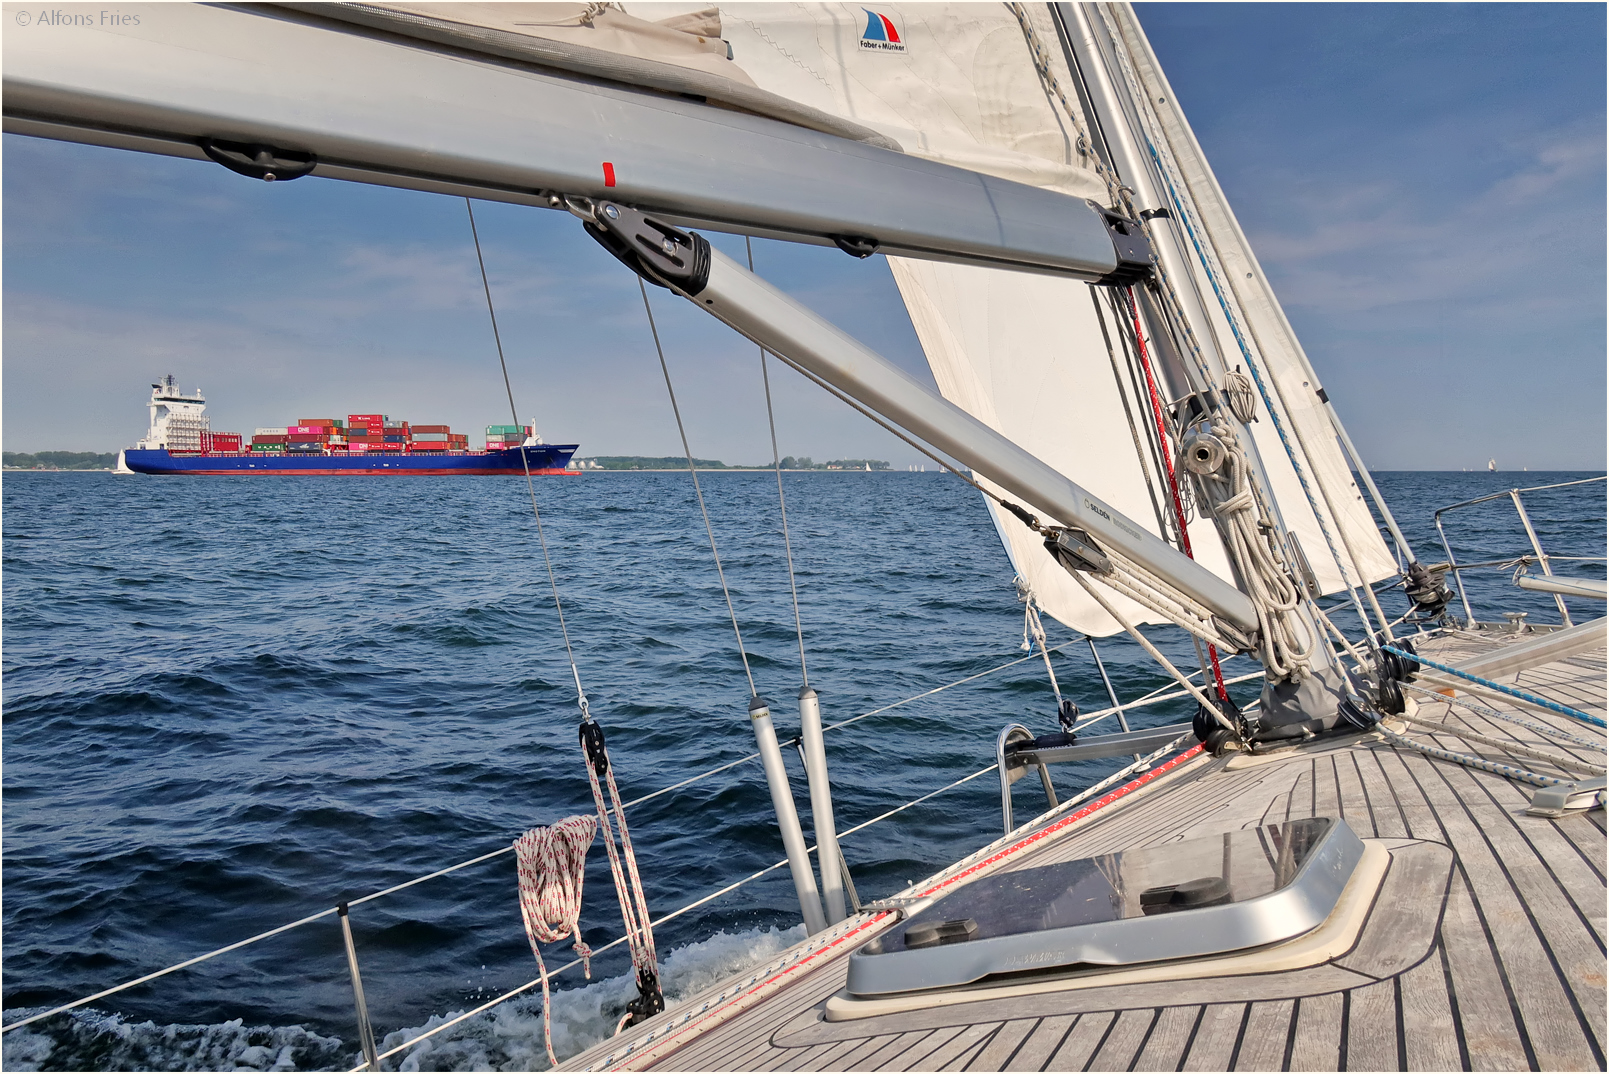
<point x="1423" y="184"/>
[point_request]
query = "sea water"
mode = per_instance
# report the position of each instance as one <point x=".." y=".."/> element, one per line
<point x="233" y="702"/>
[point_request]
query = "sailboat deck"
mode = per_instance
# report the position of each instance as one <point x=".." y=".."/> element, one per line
<point x="1483" y="950"/>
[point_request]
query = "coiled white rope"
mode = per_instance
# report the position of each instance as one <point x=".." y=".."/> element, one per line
<point x="1287" y="650"/>
<point x="552" y="865"/>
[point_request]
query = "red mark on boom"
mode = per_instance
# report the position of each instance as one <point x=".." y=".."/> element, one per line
<point x="608" y="174"/>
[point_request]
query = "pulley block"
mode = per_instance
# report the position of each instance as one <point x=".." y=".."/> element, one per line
<point x="663" y="255"/>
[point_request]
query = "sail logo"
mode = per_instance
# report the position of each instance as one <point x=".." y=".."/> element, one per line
<point x="881" y="34"/>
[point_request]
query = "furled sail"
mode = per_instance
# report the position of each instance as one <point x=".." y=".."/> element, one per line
<point x="991" y="87"/>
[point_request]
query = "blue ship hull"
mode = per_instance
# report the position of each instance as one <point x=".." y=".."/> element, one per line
<point x="544" y="459"/>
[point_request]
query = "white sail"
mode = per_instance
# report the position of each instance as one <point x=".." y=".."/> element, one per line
<point x="987" y="88"/>
<point x="1293" y="385"/>
<point x="1026" y="354"/>
<point x="990" y="88"/>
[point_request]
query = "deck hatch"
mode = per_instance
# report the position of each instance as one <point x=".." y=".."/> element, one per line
<point x="1198" y="897"/>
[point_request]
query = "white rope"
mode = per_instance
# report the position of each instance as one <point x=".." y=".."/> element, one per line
<point x="1156" y="654"/>
<point x="1034" y="628"/>
<point x="1471" y="761"/>
<point x="1255" y="548"/>
<point x="552" y="865"/>
<point x="1516" y="748"/>
<point x="1491" y="713"/>
<point x="628" y="881"/>
<point x="1340" y="637"/>
<point x="1133" y="584"/>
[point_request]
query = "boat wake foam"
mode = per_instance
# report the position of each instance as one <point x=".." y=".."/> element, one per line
<point x="508" y="1037"/>
<point x="94" y="1040"/>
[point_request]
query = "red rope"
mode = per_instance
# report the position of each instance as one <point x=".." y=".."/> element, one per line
<point x="1167" y="462"/>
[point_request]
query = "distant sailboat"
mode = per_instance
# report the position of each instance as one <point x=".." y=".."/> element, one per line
<point x="1491" y="465"/>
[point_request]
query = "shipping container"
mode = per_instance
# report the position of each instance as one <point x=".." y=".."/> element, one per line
<point x="272" y="432"/>
<point x="317" y="421"/>
<point x="417" y="429"/>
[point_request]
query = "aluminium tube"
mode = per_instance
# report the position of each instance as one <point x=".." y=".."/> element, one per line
<point x="804" y="339"/>
<point x="1261" y="283"/>
<point x="776" y="777"/>
<point x="827" y="853"/>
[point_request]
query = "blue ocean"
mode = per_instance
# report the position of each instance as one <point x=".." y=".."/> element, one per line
<point x="231" y="703"/>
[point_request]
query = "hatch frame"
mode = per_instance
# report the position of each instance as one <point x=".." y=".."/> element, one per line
<point x="1296" y="908"/>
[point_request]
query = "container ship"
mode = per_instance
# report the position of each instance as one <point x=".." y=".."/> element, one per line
<point x="180" y="441"/>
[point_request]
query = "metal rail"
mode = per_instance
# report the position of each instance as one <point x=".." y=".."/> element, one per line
<point x="1536" y="544"/>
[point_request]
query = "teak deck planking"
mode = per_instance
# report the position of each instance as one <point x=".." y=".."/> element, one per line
<point x="1484" y="949"/>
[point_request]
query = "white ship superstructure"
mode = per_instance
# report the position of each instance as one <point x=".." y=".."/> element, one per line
<point x="177" y="420"/>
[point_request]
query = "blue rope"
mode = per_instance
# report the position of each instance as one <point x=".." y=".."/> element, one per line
<point x="1563" y="710"/>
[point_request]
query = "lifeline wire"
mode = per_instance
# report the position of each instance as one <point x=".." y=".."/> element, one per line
<point x="697" y="491"/>
<point x="782" y="500"/>
<point x="1154" y="696"/>
<point x="530" y="486"/>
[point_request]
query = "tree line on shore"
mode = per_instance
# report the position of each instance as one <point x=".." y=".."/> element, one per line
<point x="678" y="462"/>
<point x="58" y="460"/>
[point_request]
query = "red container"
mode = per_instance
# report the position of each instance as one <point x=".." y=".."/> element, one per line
<point x="315" y="421"/>
<point x="432" y="428"/>
<point x="359" y="419"/>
